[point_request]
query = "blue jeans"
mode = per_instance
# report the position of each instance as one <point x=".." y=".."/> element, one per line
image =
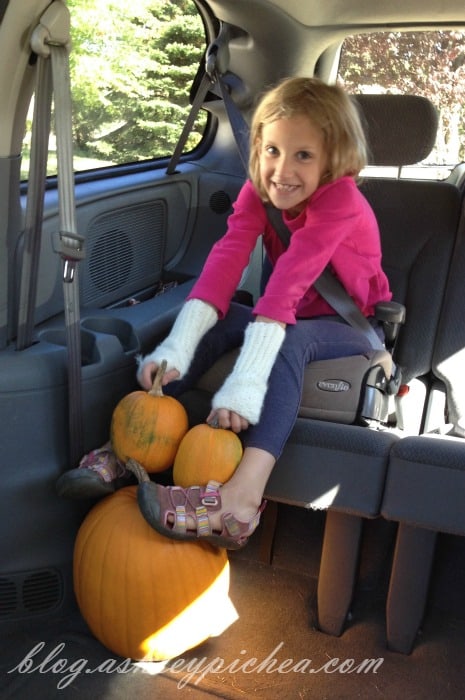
<point x="308" y="340"/>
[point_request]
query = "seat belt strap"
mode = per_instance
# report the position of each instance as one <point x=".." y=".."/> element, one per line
<point x="199" y="98"/>
<point x="239" y="126"/>
<point x="331" y="289"/>
<point x="32" y="234"/>
<point x="215" y="66"/>
<point x="51" y="40"/>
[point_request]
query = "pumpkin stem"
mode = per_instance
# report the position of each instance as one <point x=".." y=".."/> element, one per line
<point x="138" y="470"/>
<point x="156" y="389"/>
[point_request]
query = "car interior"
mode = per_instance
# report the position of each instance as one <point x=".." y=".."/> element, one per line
<point x="360" y="552"/>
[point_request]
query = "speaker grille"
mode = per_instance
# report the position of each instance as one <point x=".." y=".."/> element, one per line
<point x="111" y="262"/>
<point x="220" y="202"/>
<point x="124" y="253"/>
<point x="30" y="593"/>
<point x="8" y="597"/>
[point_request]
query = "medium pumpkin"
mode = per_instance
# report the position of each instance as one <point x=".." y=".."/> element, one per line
<point x="206" y="453"/>
<point x="145" y="596"/>
<point x="148" y="426"/>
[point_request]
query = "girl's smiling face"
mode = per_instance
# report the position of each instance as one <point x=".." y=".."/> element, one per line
<point x="292" y="162"/>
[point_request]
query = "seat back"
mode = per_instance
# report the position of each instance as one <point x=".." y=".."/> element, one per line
<point x="449" y="351"/>
<point x="418" y="221"/>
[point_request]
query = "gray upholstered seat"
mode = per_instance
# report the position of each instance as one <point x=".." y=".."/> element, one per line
<point x="425" y="489"/>
<point x="425" y="494"/>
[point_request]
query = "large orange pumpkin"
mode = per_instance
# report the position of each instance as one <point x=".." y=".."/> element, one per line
<point x="206" y="453"/>
<point x="144" y="596"/>
<point x="148" y="427"/>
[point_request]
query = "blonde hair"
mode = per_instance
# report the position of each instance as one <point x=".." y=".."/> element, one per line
<point x="327" y="107"/>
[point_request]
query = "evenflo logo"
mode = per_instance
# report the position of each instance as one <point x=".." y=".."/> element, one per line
<point x="334" y="385"/>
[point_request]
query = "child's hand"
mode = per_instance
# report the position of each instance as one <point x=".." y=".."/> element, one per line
<point x="147" y="373"/>
<point x="223" y="418"/>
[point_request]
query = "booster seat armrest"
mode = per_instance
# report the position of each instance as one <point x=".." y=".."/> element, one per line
<point x="390" y="312"/>
<point x="392" y="316"/>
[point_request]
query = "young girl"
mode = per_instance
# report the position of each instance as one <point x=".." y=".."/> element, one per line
<point x="307" y="148"/>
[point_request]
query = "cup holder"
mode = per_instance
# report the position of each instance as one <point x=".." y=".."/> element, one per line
<point x="113" y="326"/>
<point x="57" y="336"/>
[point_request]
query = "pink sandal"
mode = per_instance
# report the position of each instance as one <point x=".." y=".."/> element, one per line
<point x="99" y="473"/>
<point x="160" y="503"/>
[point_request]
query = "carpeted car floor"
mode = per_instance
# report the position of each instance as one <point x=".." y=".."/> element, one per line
<point x="275" y="626"/>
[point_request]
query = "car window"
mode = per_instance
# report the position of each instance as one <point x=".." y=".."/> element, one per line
<point x="431" y="64"/>
<point x="132" y="66"/>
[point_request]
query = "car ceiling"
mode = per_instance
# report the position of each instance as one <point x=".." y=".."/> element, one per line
<point x="278" y="38"/>
<point x="346" y="13"/>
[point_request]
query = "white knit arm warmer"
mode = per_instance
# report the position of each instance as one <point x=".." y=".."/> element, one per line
<point x="193" y="321"/>
<point x="244" y="389"/>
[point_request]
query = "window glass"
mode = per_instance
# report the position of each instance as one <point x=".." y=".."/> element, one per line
<point x="132" y="65"/>
<point x="431" y="64"/>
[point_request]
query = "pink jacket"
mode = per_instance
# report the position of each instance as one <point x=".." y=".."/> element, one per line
<point x="337" y="226"/>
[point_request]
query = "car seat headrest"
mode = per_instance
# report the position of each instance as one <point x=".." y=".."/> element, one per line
<point x="400" y="129"/>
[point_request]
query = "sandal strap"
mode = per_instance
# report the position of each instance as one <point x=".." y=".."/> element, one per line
<point x="200" y="516"/>
<point x="238" y="530"/>
<point x="195" y="502"/>
<point x="180" y="519"/>
<point x="202" y="521"/>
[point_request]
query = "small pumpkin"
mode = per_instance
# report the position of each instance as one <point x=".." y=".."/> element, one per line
<point x="148" y="426"/>
<point x="144" y="596"/>
<point x="206" y="453"/>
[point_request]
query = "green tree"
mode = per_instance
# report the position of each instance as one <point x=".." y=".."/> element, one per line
<point x="132" y="65"/>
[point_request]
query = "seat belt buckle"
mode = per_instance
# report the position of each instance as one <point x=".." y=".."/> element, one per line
<point x="395" y="382"/>
<point x="71" y="248"/>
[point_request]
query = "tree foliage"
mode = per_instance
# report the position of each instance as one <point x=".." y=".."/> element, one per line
<point x="132" y="65"/>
